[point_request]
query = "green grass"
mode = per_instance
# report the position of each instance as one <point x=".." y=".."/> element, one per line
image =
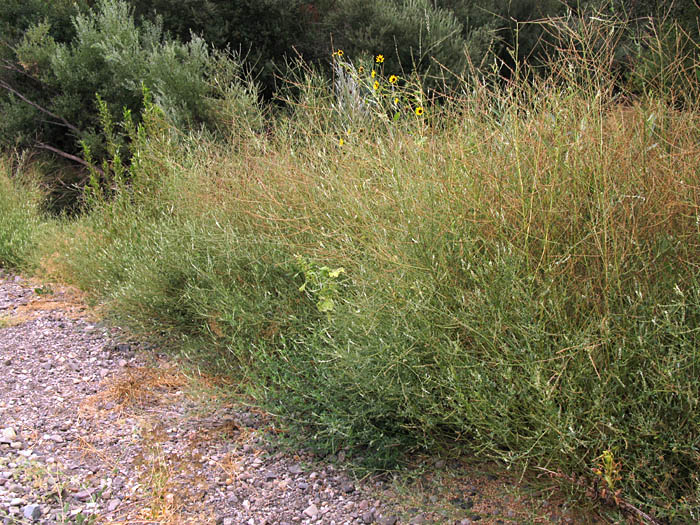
<point x="520" y="275"/>
<point x="20" y="216"/>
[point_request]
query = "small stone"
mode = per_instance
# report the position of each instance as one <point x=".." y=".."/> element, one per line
<point x="269" y="475"/>
<point x="9" y="433"/>
<point x="16" y="502"/>
<point x="417" y="520"/>
<point x="347" y="487"/>
<point x="440" y="464"/>
<point x="83" y="495"/>
<point x="32" y="512"/>
<point x="368" y="517"/>
<point x="388" y="520"/>
<point x="311" y="511"/>
<point x="302" y="485"/>
<point x="113" y="504"/>
<point x="466" y="521"/>
<point x="227" y="521"/>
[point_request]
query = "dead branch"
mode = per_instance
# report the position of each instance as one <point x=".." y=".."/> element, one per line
<point x="19" y="95"/>
<point x="68" y="156"/>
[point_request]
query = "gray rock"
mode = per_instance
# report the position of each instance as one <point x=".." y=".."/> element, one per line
<point x="113" y="504"/>
<point x="368" y="517"/>
<point x="388" y="520"/>
<point x="32" y="512"/>
<point x="311" y="511"/>
<point x="417" y="520"/>
<point x="83" y="495"/>
<point x="269" y="475"/>
<point x="295" y="469"/>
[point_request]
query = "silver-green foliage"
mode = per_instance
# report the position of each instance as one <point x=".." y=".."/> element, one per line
<point x="113" y="57"/>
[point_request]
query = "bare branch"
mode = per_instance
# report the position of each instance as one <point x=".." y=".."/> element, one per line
<point x="12" y="90"/>
<point x="68" y="156"/>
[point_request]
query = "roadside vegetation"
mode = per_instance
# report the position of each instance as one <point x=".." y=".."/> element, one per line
<point x="506" y="268"/>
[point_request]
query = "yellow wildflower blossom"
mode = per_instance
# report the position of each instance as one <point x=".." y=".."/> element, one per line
<point x="393" y="79"/>
<point x="380" y="59"/>
<point x="376" y="84"/>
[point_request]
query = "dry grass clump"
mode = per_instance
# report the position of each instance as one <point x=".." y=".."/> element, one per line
<point x="137" y="387"/>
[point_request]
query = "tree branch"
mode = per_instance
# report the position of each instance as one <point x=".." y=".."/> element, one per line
<point x="12" y="90"/>
<point x="68" y="156"/>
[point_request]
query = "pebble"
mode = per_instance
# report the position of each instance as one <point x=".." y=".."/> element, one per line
<point x="311" y="511"/>
<point x="32" y="512"/>
<point x="9" y="434"/>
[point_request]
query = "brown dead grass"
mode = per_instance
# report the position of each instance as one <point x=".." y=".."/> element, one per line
<point x="137" y="387"/>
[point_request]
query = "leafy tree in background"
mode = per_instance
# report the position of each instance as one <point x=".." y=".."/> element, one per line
<point x="49" y="84"/>
<point x="265" y="32"/>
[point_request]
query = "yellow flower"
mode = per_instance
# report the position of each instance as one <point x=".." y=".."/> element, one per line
<point x="396" y="100"/>
<point x="380" y="59"/>
<point x="393" y="79"/>
<point x="340" y="52"/>
<point x="374" y="73"/>
<point x="376" y="84"/>
<point x="419" y="111"/>
<point x="341" y="142"/>
<point x="360" y="69"/>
